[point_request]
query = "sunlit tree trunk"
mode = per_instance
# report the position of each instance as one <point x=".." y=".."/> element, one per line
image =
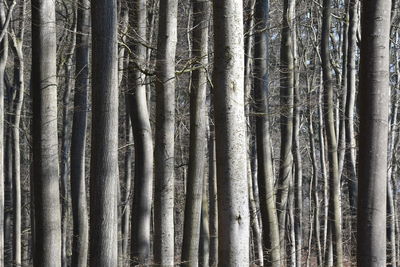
<point x="230" y="129"/>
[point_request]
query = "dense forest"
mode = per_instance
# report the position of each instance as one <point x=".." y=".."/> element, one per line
<point x="226" y="133"/>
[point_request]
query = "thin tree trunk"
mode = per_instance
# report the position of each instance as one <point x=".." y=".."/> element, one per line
<point x="20" y="90"/>
<point x="286" y="121"/>
<point x="270" y="225"/>
<point x="142" y="133"/>
<point x="204" y="253"/>
<point x="374" y="99"/>
<point x="80" y="243"/>
<point x="334" y="179"/>
<point x="212" y="192"/>
<point x="228" y="80"/>
<point x="103" y="229"/>
<point x="198" y="141"/>
<point x="165" y="132"/>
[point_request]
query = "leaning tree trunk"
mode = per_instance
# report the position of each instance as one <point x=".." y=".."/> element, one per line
<point x="47" y="217"/>
<point x="264" y="154"/>
<point x="198" y="140"/>
<point x="103" y="228"/>
<point x="374" y="99"/>
<point x="78" y="140"/>
<point x="140" y="118"/>
<point x="164" y="138"/>
<point x="334" y="179"/>
<point x="230" y="126"/>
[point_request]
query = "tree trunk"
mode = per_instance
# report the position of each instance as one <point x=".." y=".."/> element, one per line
<point x="212" y="192"/>
<point x="198" y="141"/>
<point x="142" y="133"/>
<point x="3" y="61"/>
<point x="78" y="140"/>
<point x="334" y="179"/>
<point x="228" y="80"/>
<point x="47" y="246"/>
<point x="374" y="99"/>
<point x="264" y="154"/>
<point x="19" y="99"/>
<point x="103" y="229"/>
<point x="165" y="132"/>
<point x="286" y="120"/>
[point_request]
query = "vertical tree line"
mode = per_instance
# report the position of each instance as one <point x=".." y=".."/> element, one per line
<point x="199" y="133"/>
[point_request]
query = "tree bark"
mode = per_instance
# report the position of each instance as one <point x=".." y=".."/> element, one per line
<point x="334" y="213"/>
<point x="198" y="140"/>
<point x="142" y="134"/>
<point x="374" y="99"/>
<point x="264" y="154"/>
<point x="78" y="139"/>
<point x="165" y="132"/>
<point x="47" y="224"/>
<point x="228" y="80"/>
<point x="103" y="228"/>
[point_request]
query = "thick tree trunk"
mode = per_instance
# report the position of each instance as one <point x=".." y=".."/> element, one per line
<point x="374" y="99"/>
<point x="198" y="140"/>
<point x="47" y="217"/>
<point x="78" y="140"/>
<point x="142" y="133"/>
<point x="164" y="140"/>
<point x="264" y="153"/>
<point x="334" y="214"/>
<point x="103" y="230"/>
<point x="228" y="80"/>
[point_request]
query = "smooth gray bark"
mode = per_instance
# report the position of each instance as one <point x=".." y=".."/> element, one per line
<point x="230" y="129"/>
<point x="47" y="217"/>
<point x="198" y="137"/>
<point x="374" y="111"/>
<point x="103" y="227"/>
<point x="78" y="139"/>
<point x="165" y="132"/>
<point x="142" y="134"/>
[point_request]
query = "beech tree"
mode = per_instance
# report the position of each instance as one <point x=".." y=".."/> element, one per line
<point x="374" y="111"/>
<point x="103" y="223"/>
<point x="230" y="135"/>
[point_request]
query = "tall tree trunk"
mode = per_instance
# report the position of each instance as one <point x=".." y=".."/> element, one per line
<point x="164" y="139"/>
<point x="298" y="163"/>
<point x="47" y="228"/>
<point x="198" y="141"/>
<point x="19" y="100"/>
<point x="103" y="229"/>
<point x="350" y="103"/>
<point x="265" y="169"/>
<point x="143" y="179"/>
<point x="374" y="99"/>
<point x="3" y="61"/>
<point x="228" y="80"/>
<point x="78" y="139"/>
<point x="286" y="120"/>
<point x="334" y="179"/>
